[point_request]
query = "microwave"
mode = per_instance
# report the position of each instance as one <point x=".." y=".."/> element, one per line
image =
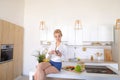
<point x="6" y="52"/>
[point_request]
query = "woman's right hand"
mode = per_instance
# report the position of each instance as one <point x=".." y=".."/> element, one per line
<point x="52" y="52"/>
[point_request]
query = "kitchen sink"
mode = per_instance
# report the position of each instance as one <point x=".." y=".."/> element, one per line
<point x="99" y="69"/>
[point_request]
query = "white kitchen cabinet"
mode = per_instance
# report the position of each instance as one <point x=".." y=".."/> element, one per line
<point x="90" y="33"/>
<point x="43" y="35"/>
<point x="86" y="33"/>
<point x="49" y="34"/>
<point x="94" y="33"/>
<point x="98" y="33"/>
<point x="71" y="36"/>
<point x="105" y="33"/>
<point x="75" y="37"/>
<point x="79" y="37"/>
<point x="64" y="30"/>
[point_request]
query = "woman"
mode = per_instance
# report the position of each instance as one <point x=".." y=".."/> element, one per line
<point x="55" y="54"/>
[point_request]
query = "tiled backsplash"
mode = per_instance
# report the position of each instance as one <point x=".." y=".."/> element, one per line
<point x="80" y="53"/>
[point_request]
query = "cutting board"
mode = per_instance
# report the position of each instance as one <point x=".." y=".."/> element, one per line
<point x="107" y="54"/>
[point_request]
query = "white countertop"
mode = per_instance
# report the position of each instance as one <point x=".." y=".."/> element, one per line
<point x="84" y="75"/>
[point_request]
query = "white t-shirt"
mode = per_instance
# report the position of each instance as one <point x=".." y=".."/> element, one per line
<point x="62" y="48"/>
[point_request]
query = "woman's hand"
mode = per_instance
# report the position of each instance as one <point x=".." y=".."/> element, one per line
<point x="58" y="53"/>
<point x="52" y="52"/>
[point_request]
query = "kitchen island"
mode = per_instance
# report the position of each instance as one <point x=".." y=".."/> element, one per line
<point x="84" y="75"/>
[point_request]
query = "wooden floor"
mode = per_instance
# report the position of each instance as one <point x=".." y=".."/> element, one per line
<point x="27" y="78"/>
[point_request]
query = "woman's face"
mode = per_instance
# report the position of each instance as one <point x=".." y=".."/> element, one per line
<point x="57" y="36"/>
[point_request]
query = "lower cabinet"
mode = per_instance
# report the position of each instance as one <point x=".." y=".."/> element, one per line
<point x="3" y="71"/>
<point x="6" y="71"/>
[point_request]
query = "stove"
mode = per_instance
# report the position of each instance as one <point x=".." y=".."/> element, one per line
<point x="98" y="69"/>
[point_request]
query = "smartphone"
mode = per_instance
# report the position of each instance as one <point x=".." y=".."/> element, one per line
<point x="57" y="51"/>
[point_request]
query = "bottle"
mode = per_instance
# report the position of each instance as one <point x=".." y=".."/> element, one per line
<point x="92" y="58"/>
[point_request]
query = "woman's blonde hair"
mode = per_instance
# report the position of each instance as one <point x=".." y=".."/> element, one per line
<point x="58" y="31"/>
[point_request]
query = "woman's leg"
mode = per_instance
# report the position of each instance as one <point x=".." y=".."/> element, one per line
<point x="51" y="69"/>
<point x="39" y="74"/>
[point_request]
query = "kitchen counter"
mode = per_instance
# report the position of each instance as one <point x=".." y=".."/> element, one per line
<point x="87" y="76"/>
<point x="84" y="75"/>
<point x="6" y="61"/>
<point x="94" y="62"/>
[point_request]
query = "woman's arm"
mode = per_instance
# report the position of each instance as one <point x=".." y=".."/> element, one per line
<point x="50" y="53"/>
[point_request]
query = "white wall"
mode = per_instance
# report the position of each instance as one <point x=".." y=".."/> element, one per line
<point x="12" y="10"/>
<point x="63" y="13"/>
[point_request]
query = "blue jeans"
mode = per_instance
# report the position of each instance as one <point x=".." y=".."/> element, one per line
<point x="57" y="65"/>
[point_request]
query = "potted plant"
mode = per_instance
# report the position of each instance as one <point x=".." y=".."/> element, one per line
<point x="41" y="57"/>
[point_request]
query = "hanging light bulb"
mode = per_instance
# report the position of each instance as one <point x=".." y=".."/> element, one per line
<point x="42" y="25"/>
<point x="118" y="24"/>
<point x="78" y="25"/>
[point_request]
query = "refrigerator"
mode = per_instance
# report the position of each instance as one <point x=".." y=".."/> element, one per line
<point x="116" y="47"/>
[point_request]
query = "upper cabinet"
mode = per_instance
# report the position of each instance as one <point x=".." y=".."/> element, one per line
<point x="11" y="33"/>
<point x="98" y="33"/>
<point x="0" y="30"/>
<point x="90" y="33"/>
<point x="75" y="36"/>
<point x="7" y="32"/>
<point x="105" y="33"/>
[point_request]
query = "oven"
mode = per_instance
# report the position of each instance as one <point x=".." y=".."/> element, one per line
<point x="6" y="52"/>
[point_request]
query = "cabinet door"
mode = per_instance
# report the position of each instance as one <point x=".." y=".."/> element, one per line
<point x="9" y="71"/>
<point x="75" y="37"/>
<point x="20" y="46"/>
<point x="5" y="32"/>
<point x="119" y="55"/>
<point x="6" y="71"/>
<point x="94" y="33"/>
<point x="105" y="33"/>
<point x="11" y="33"/>
<point x="0" y="30"/>
<point x="86" y="34"/>
<point x="0" y="73"/>
<point x="79" y="37"/>
<point x="90" y="33"/>
<point x="18" y="52"/>
<point x="71" y="36"/>
<point x="3" y="71"/>
<point x="118" y="49"/>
